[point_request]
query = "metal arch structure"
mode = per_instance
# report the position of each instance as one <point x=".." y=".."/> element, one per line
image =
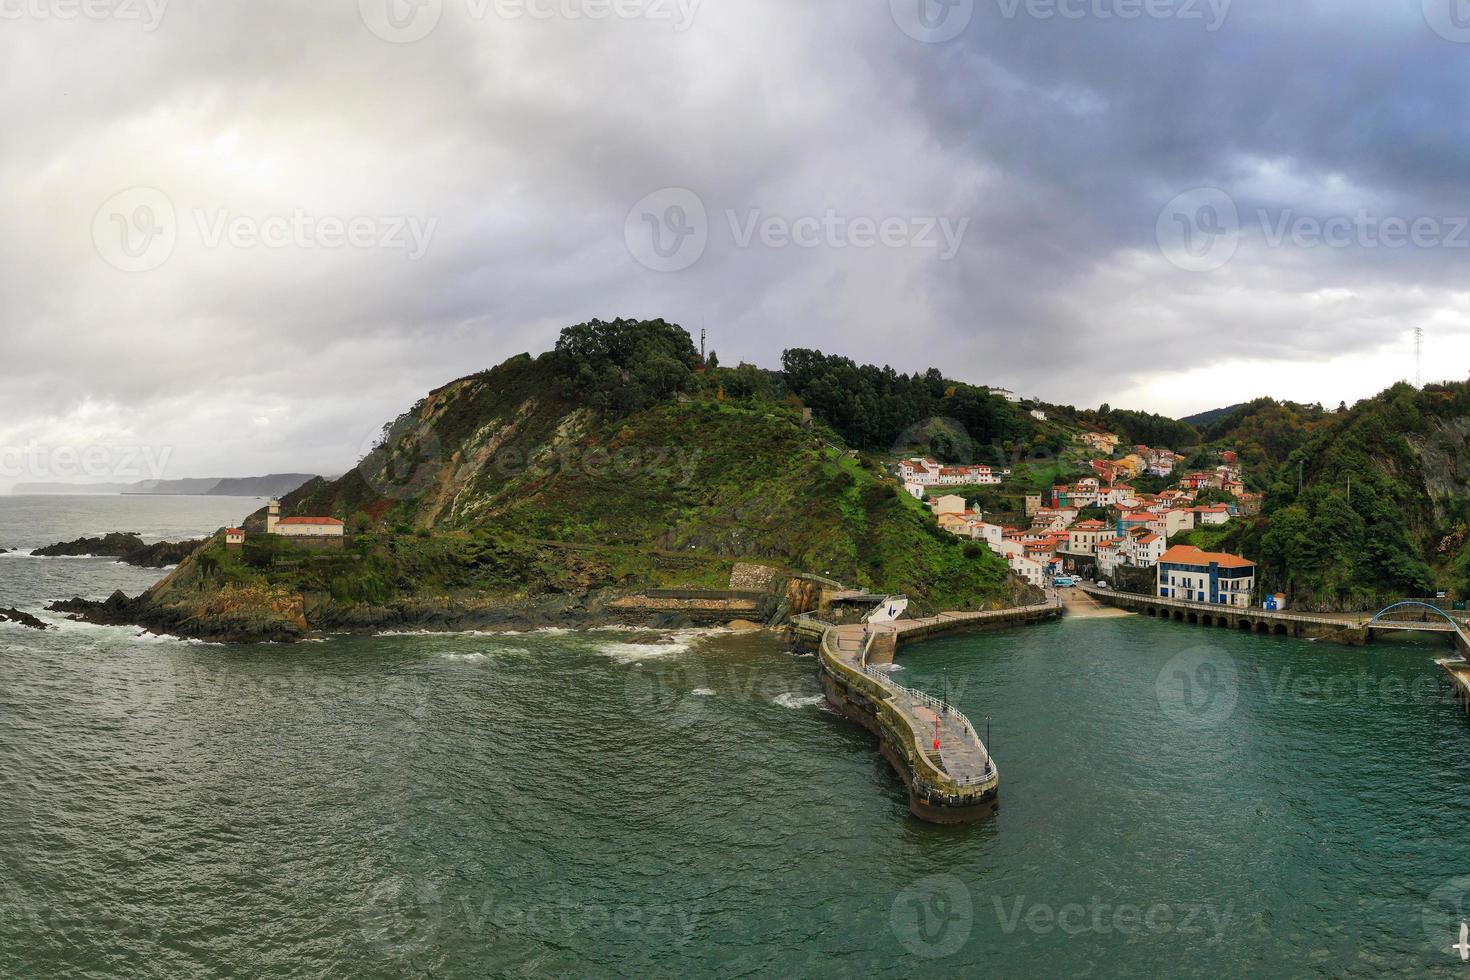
<point x="1419" y="605"/>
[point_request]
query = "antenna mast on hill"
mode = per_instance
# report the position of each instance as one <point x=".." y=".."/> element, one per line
<point x="1418" y="357"/>
<point x="703" y="336"/>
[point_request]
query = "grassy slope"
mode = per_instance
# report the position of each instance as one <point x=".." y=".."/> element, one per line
<point x="496" y="486"/>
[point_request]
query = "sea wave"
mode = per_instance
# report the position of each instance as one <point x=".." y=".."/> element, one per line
<point x="634" y="652"/>
<point x="799" y="700"/>
<point x="465" y="658"/>
<point x="703" y="692"/>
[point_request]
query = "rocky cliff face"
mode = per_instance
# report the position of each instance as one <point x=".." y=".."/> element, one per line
<point x="546" y="487"/>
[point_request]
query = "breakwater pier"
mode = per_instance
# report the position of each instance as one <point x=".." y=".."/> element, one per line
<point x="934" y="748"/>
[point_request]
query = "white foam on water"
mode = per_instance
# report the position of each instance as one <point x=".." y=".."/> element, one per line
<point x="703" y="692"/>
<point x="800" y="701"/>
<point x="146" y="637"/>
<point x="634" y="652"/>
<point x="465" y="658"/>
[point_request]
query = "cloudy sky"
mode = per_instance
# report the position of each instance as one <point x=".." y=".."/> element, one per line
<point x="240" y="236"/>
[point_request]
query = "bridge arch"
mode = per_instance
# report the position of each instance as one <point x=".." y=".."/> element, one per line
<point x="1419" y="605"/>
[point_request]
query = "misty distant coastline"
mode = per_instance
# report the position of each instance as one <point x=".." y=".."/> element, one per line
<point x="275" y="485"/>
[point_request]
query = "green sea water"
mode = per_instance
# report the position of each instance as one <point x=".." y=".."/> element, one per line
<point x="1175" y="801"/>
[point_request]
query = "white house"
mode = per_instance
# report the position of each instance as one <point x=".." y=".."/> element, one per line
<point x="301" y="527"/>
<point x="1087" y="534"/>
<point x="1210" y="516"/>
<point x="1180" y="519"/>
<point x="1038" y="415"/>
<point x="929" y="473"/>
<point x="1005" y="393"/>
<point x="1203" y="576"/>
<point x="949" y="504"/>
<point x="1032" y="571"/>
<point x="915" y="490"/>
<point x="1143" y="548"/>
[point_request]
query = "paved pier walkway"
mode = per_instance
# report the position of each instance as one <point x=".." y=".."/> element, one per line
<point x="962" y="755"/>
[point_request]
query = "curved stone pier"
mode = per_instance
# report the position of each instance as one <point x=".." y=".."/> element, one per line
<point x="954" y="783"/>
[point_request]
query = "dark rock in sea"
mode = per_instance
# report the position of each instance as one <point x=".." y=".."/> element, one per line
<point x="23" y="619"/>
<point x="127" y="547"/>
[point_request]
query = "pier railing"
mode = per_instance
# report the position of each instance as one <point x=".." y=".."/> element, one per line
<point x="1287" y="616"/>
<point x="885" y="678"/>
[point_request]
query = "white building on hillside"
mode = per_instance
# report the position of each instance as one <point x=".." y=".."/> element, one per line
<point x="1031" y="571"/>
<point x="301" y="527"/>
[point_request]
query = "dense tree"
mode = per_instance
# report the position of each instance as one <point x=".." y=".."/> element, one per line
<point x="624" y="366"/>
<point x="877" y="408"/>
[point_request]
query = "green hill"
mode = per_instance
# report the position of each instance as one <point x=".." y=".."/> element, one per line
<point x="614" y="463"/>
<point x="1368" y="504"/>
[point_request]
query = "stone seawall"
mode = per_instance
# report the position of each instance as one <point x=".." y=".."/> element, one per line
<point x="954" y="783"/>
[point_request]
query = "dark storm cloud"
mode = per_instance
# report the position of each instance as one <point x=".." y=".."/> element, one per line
<point x="834" y="159"/>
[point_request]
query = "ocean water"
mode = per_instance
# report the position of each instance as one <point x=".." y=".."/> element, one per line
<point x="1174" y="801"/>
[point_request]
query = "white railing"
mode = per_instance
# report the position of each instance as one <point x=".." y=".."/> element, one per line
<point x="884" y="678"/>
<point x="1253" y="611"/>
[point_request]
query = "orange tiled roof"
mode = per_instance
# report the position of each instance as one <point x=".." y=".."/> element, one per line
<point x="1183" y="554"/>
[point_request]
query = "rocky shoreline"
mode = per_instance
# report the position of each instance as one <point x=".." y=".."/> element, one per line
<point x="126" y="547"/>
<point x="21" y="619"/>
<point x="293" y="619"/>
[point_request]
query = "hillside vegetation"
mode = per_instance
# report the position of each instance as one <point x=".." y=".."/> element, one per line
<point x="617" y="461"/>
<point x="1368" y="504"/>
